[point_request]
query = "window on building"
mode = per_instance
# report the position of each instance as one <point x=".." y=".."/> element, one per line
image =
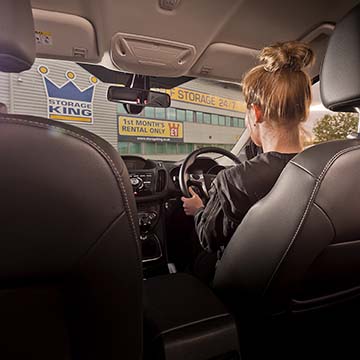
<point x="149" y="112"/>
<point x="150" y="148"/>
<point x="160" y="113"/>
<point x="180" y="115"/>
<point x="171" y="148"/>
<point x="171" y="114"/>
<point x="182" y="149"/>
<point x="161" y="148"/>
<point x="189" y="115"/>
<point x="228" y="120"/>
<point x="242" y="123"/>
<point x="134" y="148"/>
<point x="190" y="148"/>
<point x="214" y="119"/>
<point x="199" y="117"/>
<point x="207" y="118"/>
<point x="123" y="148"/>
<point x="221" y="120"/>
<point x="235" y="122"/>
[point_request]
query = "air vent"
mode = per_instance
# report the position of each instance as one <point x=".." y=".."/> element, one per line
<point x="161" y="181"/>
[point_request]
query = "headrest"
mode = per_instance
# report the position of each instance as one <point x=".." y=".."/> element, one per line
<point x="339" y="78"/>
<point x="17" y="36"/>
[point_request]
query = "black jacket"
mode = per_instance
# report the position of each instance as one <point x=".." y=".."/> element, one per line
<point x="232" y="194"/>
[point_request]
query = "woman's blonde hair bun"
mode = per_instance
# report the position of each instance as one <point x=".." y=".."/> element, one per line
<point x="292" y="55"/>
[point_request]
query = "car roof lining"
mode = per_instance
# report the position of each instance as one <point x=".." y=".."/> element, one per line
<point x="234" y="24"/>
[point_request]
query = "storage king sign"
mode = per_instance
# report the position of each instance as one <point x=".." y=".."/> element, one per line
<point x="68" y="102"/>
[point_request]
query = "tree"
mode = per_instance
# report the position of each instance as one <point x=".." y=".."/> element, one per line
<point x="335" y="127"/>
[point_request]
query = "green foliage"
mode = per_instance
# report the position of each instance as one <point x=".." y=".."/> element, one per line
<point x="335" y="127"/>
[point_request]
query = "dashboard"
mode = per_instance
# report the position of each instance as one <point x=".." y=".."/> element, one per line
<point x="157" y="193"/>
<point x="156" y="180"/>
<point x="148" y="178"/>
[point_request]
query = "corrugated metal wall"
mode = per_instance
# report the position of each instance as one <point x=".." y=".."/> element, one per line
<point x="30" y="96"/>
<point x="5" y="89"/>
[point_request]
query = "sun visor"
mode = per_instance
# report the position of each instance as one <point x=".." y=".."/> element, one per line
<point x="17" y="40"/>
<point x="64" y="36"/>
<point x="225" y="62"/>
<point x="339" y="79"/>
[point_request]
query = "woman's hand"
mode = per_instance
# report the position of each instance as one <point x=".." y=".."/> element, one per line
<point x="193" y="204"/>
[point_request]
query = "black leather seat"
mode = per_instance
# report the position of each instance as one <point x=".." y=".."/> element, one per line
<point x="297" y="251"/>
<point x="71" y="279"/>
<point x="70" y="268"/>
<point x="306" y="253"/>
<point x="299" y="247"/>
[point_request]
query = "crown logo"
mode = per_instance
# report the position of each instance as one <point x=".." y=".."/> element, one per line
<point x="69" y="90"/>
<point x="68" y="102"/>
<point x="174" y="129"/>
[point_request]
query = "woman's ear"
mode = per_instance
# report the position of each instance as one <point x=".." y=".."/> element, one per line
<point x="258" y="113"/>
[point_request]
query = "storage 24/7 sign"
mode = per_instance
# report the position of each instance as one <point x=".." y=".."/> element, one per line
<point x="68" y="102"/>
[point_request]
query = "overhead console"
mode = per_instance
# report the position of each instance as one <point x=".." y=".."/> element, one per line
<point x="64" y="36"/>
<point x="150" y="56"/>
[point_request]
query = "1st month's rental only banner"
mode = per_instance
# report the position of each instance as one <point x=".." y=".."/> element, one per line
<point x="141" y="129"/>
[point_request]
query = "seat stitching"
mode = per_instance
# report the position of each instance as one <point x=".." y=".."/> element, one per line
<point x="191" y="323"/>
<point x="303" y="168"/>
<point x="100" y="150"/>
<point x="316" y="187"/>
<point x="344" y="243"/>
<point x="327" y="217"/>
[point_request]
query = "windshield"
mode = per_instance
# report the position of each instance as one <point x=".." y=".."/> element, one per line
<point x="202" y="113"/>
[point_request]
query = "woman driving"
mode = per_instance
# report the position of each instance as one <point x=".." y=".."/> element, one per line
<point x="278" y="97"/>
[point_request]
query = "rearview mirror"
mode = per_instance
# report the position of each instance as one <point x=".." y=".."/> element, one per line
<point x="138" y="97"/>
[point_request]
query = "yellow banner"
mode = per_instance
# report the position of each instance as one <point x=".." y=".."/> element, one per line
<point x="132" y="128"/>
<point x="200" y="98"/>
<point x="71" y="118"/>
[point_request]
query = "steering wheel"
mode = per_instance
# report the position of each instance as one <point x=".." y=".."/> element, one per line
<point x="200" y="180"/>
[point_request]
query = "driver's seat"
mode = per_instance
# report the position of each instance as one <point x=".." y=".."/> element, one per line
<point x="298" y="249"/>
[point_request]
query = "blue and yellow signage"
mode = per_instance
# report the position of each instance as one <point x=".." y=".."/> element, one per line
<point x="141" y="129"/>
<point x="200" y="98"/>
<point x="68" y="102"/>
